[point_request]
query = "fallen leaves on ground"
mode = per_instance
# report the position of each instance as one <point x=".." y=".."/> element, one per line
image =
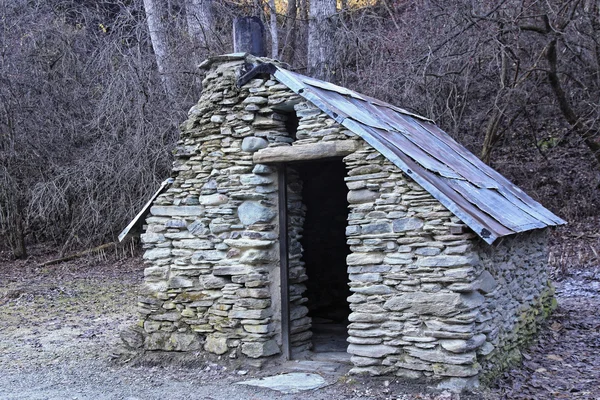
<point x="564" y="363"/>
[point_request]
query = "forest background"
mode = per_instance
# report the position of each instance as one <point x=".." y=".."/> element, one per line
<point x="92" y="93"/>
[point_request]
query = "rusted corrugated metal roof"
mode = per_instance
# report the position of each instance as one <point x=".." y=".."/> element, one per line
<point x="482" y="198"/>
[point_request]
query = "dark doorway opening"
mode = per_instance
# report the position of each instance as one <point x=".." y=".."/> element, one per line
<point x="324" y="242"/>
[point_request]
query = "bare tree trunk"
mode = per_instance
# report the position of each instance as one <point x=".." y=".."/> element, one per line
<point x="595" y="24"/>
<point x="156" y="18"/>
<point x="321" y="44"/>
<point x="492" y="132"/>
<point x="303" y="5"/>
<point x="257" y="8"/>
<point x="274" y="33"/>
<point x="18" y="246"/>
<point x="591" y="137"/>
<point x="289" y="52"/>
<point x="200" y="20"/>
<point x="11" y="220"/>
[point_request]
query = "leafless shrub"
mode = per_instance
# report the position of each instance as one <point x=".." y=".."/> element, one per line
<point x="88" y="131"/>
<point x="86" y="128"/>
<point x="482" y="71"/>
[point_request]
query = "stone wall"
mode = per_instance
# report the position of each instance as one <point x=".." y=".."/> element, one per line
<point x="430" y="299"/>
<point x="522" y="300"/>
<point x="211" y="239"/>
<point x="300" y="322"/>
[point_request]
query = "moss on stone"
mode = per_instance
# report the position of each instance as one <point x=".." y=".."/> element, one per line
<point x="526" y="328"/>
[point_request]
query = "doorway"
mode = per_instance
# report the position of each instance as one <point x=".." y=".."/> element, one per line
<point x="324" y="193"/>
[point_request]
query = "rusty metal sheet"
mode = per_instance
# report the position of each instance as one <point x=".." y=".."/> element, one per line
<point x="434" y="147"/>
<point x="329" y="86"/>
<point x="482" y="198"/>
<point x="416" y="153"/>
<point x="505" y="186"/>
<point x="488" y="220"/>
<point x="451" y="155"/>
<point x="332" y="109"/>
<point x="493" y="203"/>
<point x="289" y="79"/>
<point x="484" y="225"/>
<point x="392" y="107"/>
<point x="347" y="92"/>
<point x="348" y="107"/>
<point x="386" y="118"/>
<point x="538" y="212"/>
<point x="464" y="153"/>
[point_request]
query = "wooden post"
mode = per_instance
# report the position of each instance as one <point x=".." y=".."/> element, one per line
<point x="284" y="262"/>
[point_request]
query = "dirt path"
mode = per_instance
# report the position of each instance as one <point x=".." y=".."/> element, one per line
<point x="58" y="326"/>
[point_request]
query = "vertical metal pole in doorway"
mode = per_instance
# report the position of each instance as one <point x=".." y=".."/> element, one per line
<point x="284" y="261"/>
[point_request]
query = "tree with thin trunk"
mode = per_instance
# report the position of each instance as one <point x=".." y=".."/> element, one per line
<point x="493" y="133"/>
<point x="156" y="17"/>
<point x="200" y="21"/>
<point x="288" y="52"/>
<point x="321" y="44"/>
<point x="274" y="33"/>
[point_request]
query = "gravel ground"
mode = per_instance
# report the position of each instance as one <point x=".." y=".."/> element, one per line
<point x="59" y="325"/>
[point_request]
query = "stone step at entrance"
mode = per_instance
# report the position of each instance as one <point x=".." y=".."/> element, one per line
<point x="341" y="357"/>
<point x="323" y="367"/>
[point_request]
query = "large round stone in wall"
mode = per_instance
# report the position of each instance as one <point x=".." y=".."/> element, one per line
<point x="252" y="212"/>
<point x="252" y="144"/>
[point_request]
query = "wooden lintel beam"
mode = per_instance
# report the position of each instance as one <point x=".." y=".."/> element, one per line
<point x="305" y="152"/>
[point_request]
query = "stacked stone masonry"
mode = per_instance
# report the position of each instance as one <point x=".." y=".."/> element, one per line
<point x="430" y="299"/>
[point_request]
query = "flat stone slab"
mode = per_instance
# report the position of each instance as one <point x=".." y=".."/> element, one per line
<point x="336" y="357"/>
<point x="294" y="382"/>
<point x="316" y="366"/>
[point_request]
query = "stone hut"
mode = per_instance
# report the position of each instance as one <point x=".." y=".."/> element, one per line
<point x="304" y="218"/>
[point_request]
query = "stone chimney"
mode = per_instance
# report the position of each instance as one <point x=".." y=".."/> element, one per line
<point x="249" y="36"/>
